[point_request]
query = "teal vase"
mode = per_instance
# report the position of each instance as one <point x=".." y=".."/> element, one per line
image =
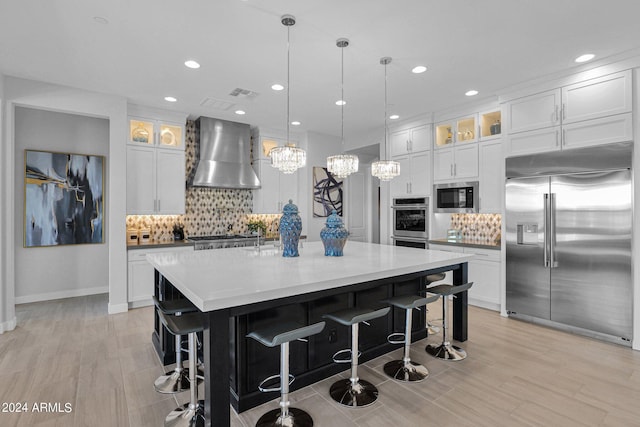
<point x="290" y="229"/>
<point x="334" y="235"/>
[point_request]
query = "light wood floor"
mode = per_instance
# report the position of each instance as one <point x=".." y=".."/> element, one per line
<point x="517" y="374"/>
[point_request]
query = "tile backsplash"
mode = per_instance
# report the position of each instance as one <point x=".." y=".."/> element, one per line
<point x="481" y="227"/>
<point x="208" y="211"/>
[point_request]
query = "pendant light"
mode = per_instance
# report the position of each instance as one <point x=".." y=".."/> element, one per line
<point x="385" y="170"/>
<point x="342" y="165"/>
<point x="288" y="158"/>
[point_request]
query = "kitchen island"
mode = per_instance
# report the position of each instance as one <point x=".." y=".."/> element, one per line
<point x="241" y="288"/>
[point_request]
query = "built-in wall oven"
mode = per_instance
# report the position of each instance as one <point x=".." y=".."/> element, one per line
<point x="411" y="222"/>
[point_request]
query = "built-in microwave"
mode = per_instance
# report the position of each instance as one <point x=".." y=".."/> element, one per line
<point x="458" y="197"/>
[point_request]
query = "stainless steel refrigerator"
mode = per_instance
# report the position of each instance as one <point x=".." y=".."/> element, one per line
<point x="568" y="240"/>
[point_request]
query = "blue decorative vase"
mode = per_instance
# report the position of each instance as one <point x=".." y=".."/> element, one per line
<point x="290" y="229"/>
<point x="334" y="235"/>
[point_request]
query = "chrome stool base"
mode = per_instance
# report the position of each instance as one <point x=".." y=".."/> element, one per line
<point x="446" y="351"/>
<point x="186" y="416"/>
<point x="172" y="382"/>
<point x="357" y="395"/>
<point x="411" y="371"/>
<point x="295" y="418"/>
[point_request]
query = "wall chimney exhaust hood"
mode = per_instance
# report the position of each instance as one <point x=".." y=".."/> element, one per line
<point x="223" y="159"/>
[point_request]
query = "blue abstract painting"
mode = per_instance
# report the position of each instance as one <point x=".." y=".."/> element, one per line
<point x="327" y="193"/>
<point x="64" y="199"/>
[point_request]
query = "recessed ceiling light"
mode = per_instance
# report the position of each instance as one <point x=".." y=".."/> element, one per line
<point x="341" y="102"/>
<point x="277" y="87"/>
<point x="191" y="64"/>
<point x="472" y="92"/>
<point x="584" y="58"/>
<point x="170" y="99"/>
<point x="295" y="123"/>
<point x="419" y="69"/>
<point x="100" y="20"/>
<point x="394" y="117"/>
<point x="240" y="112"/>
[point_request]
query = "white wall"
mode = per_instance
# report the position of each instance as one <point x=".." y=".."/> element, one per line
<point x="44" y="273"/>
<point x="7" y="310"/>
<point x="39" y="95"/>
<point x="319" y="147"/>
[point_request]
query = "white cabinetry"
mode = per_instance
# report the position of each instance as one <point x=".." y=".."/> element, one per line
<point x="491" y="182"/>
<point x="455" y="154"/>
<point x="455" y="163"/>
<point x="155" y="163"/>
<point x="592" y="112"/>
<point x="276" y="188"/>
<point x="140" y="275"/>
<point x="412" y="140"/>
<point x="415" y="176"/>
<point x="484" y="272"/>
<point x="155" y="181"/>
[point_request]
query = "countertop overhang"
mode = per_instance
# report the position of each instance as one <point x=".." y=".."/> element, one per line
<point x="232" y="277"/>
<point x="469" y="243"/>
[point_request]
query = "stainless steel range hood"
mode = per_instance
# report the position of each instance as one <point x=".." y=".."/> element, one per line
<point x="224" y="155"/>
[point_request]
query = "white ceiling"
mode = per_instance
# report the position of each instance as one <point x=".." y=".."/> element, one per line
<point x="488" y="45"/>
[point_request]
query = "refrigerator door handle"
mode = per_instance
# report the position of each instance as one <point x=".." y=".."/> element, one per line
<point x="545" y="225"/>
<point x="552" y="231"/>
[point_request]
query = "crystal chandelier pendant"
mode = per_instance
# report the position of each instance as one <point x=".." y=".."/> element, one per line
<point x="288" y="159"/>
<point x="342" y="165"/>
<point x="385" y="170"/>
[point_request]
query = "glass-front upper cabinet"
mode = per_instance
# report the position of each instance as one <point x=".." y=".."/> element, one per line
<point x="170" y="136"/>
<point x="456" y="131"/>
<point x="466" y="129"/>
<point x="156" y="133"/>
<point x="444" y="134"/>
<point x="490" y="124"/>
<point x="141" y="132"/>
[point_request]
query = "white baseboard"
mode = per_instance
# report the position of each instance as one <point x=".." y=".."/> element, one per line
<point x="118" y="308"/>
<point x="7" y="326"/>
<point x="141" y="303"/>
<point x="489" y="305"/>
<point x="62" y="294"/>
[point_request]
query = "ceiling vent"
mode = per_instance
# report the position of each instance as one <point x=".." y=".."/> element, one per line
<point x="243" y="93"/>
<point x="217" y="104"/>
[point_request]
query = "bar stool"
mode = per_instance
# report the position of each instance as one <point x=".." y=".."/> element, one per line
<point x="191" y="414"/>
<point x="405" y="369"/>
<point x="445" y="350"/>
<point x="354" y="392"/>
<point x="177" y="380"/>
<point x="281" y="335"/>
<point x="431" y="328"/>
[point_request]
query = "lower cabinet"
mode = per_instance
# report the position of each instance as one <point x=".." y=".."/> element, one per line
<point x="140" y="275"/>
<point x="484" y="272"/>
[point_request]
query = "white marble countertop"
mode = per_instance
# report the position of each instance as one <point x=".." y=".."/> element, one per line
<point x="226" y="278"/>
